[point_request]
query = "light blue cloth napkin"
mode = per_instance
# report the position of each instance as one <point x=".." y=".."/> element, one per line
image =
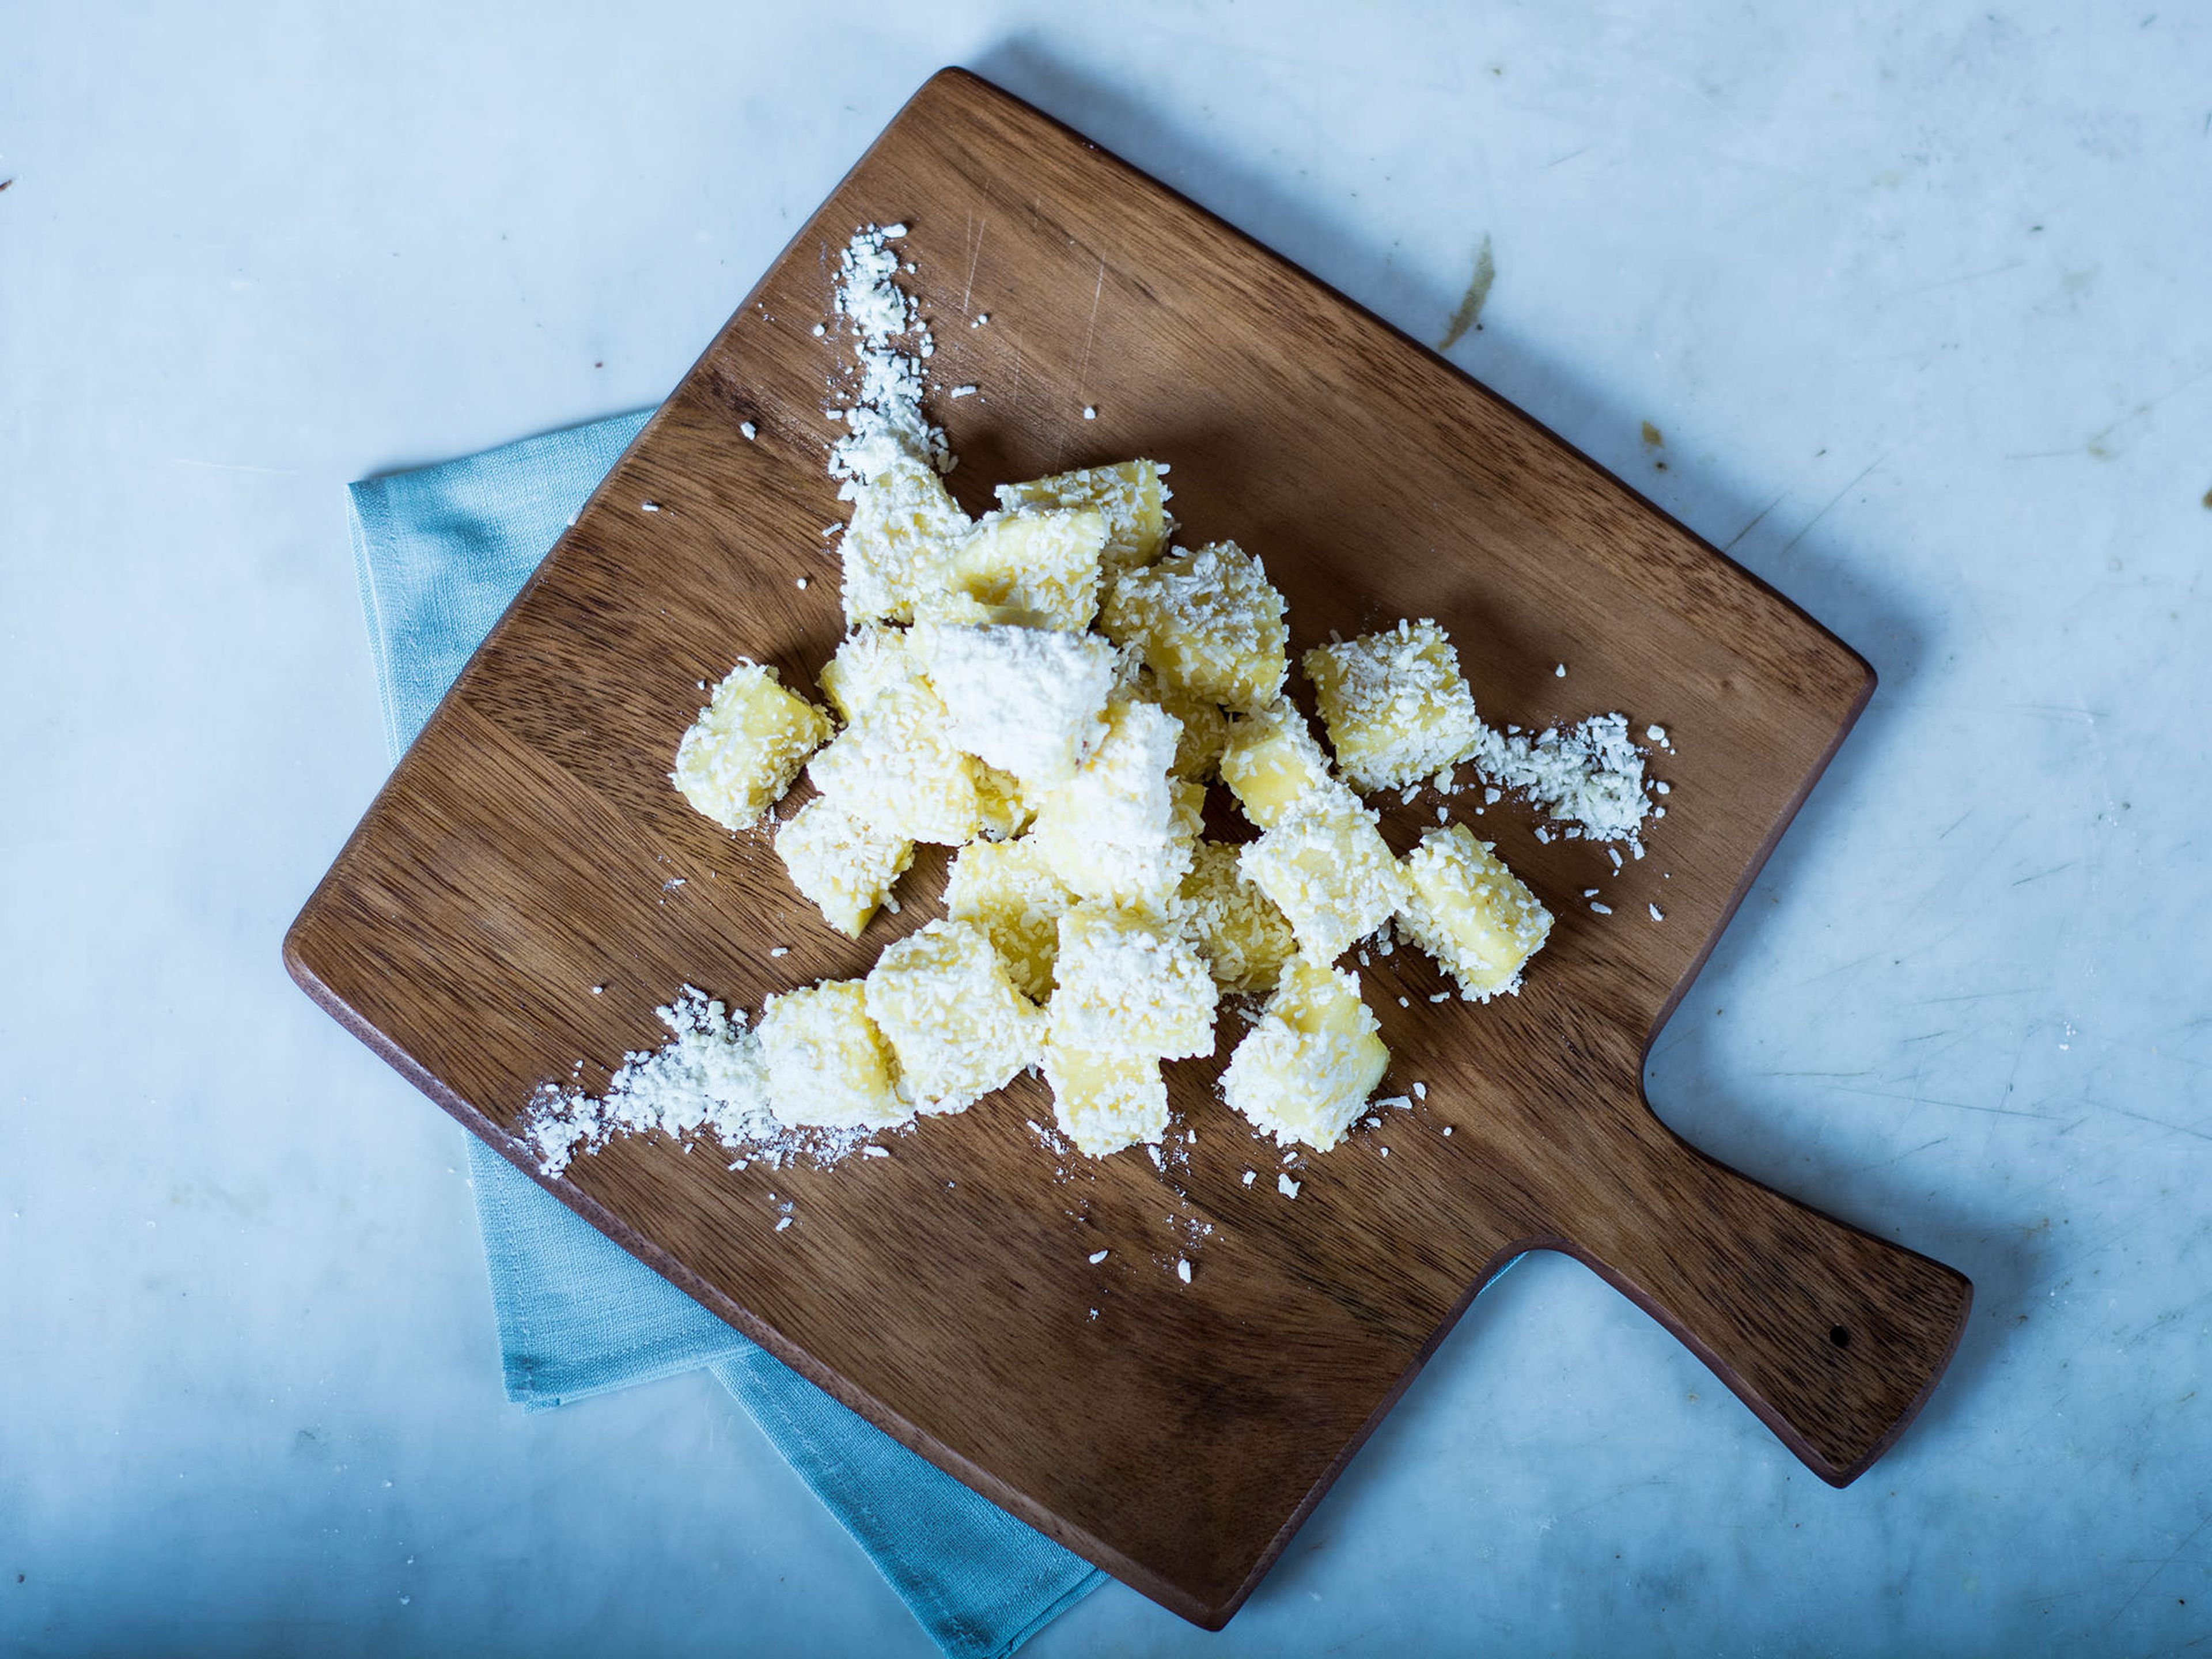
<point x="440" y="552"/>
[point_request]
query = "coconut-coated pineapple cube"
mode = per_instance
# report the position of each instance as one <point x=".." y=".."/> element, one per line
<point x="1006" y="889"/>
<point x="1130" y="495"/>
<point x="828" y="1064"/>
<point x="840" y="862"/>
<point x="895" y="770"/>
<point x="1243" y="933"/>
<point x="959" y="1028"/>
<point x="747" y="744"/>
<point x="1106" y="1102"/>
<point x="1038" y="566"/>
<point x="1468" y="911"/>
<point x="1204" y="726"/>
<point x="1271" y="762"/>
<point x="1306" y="1068"/>
<point x="1119" y="830"/>
<point x="870" y="661"/>
<point x="1126" y="984"/>
<point x="1029" y="700"/>
<point x="1396" y="708"/>
<point x="1210" y="624"/>
<point x="1326" y="867"/>
<point x="903" y="529"/>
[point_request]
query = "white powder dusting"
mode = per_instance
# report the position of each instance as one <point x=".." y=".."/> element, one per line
<point x="882" y="418"/>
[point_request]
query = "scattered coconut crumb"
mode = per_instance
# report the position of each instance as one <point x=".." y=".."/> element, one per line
<point x="1097" y="1256"/>
<point x="649" y="506"/>
<point x="1420" y="1092"/>
<point x="1602" y="909"/>
<point x="961" y="391"/>
<point x="596" y="991"/>
<point x="781" y="1225"/>
<point x="749" y="430"/>
<point x="1182" y="1269"/>
<point x="802" y="584"/>
<point x="1089" y="413"/>
<point x="1448" y="1129"/>
<point x="875" y="1151"/>
<point x="780" y="951"/>
<point x="1560" y="673"/>
<point x="1288" y="1187"/>
<point x="1249" y="1176"/>
<point x="1656" y="913"/>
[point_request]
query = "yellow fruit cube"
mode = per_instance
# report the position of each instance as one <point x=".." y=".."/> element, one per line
<point x="1271" y="762"/>
<point x="1209" y="624"/>
<point x="1304" y="1071"/>
<point x="1244" y="935"/>
<point x="1396" y="708"/>
<point x="1038" y="567"/>
<point x="828" y="1064"/>
<point x="747" y="744"/>
<point x="1130" y="495"/>
<point x="1104" y="1103"/>
<point x="1326" y="867"/>
<point x="1006" y="889"/>
<point x="840" y="863"/>
<point x="1119" y="831"/>
<point x="1030" y="700"/>
<point x="957" y="1025"/>
<point x="903" y="529"/>
<point x="1125" y="984"/>
<point x="1472" y="914"/>
<point x="871" y="661"/>
<point x="895" y="770"/>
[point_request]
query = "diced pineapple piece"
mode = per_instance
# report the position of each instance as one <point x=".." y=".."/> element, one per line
<point x="1106" y="1102"/>
<point x="1326" y="867"/>
<point x="1396" y="708"/>
<point x="1472" y="914"/>
<point x="903" y="529"/>
<point x="1130" y="495"/>
<point x="1209" y="623"/>
<point x="1038" y="567"/>
<point x="1118" y="831"/>
<point x="1244" y="937"/>
<point x="828" y="1064"/>
<point x="840" y="863"/>
<point x="747" y="744"/>
<point x="1271" y="762"/>
<point x="1030" y="700"/>
<point x="1304" y="1072"/>
<point x="1002" y="808"/>
<point x="1006" y="889"/>
<point x="871" y="661"/>
<point x="956" y="1024"/>
<point x="1128" y="985"/>
<point x="895" y="770"/>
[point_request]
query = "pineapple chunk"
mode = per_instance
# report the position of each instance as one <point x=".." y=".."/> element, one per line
<point x="1030" y="700"/>
<point x="1472" y="914"/>
<point x="1271" y="762"/>
<point x="1325" y="865"/>
<point x="895" y="770"/>
<point x="840" y="863"/>
<point x="1304" y="1072"/>
<point x="1037" y="567"/>
<point x="747" y="744"/>
<point x="1007" y="889"/>
<point x="957" y="1025"/>
<point x="1396" y="708"/>
<point x="828" y="1064"/>
<point x="1126" y="985"/>
<point x="1002" y="810"/>
<point x="903" y="529"/>
<point x="1209" y="624"/>
<point x="1244" y="935"/>
<point x="1106" y="1102"/>
<point x="871" y="661"/>
<point x="1119" y="831"/>
<point x="1130" y="495"/>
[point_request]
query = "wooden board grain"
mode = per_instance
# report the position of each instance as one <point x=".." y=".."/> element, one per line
<point x="522" y="854"/>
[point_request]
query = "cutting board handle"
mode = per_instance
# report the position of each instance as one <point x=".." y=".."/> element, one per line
<point x="1835" y="1338"/>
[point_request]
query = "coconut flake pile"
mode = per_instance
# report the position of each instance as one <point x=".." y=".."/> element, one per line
<point x="1589" y="775"/>
<point x="883" y="421"/>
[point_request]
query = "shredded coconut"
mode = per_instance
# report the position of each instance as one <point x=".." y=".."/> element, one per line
<point x="882" y="418"/>
<point x="1589" y="775"/>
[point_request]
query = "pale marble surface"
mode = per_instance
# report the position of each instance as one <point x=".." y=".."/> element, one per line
<point x="1918" y="298"/>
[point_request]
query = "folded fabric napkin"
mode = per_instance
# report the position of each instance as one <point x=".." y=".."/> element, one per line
<point x="440" y="551"/>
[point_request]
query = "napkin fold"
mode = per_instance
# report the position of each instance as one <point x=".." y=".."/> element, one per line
<point x="441" y="550"/>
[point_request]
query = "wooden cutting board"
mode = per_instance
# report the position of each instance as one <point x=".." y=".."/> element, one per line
<point x="1174" y="1434"/>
